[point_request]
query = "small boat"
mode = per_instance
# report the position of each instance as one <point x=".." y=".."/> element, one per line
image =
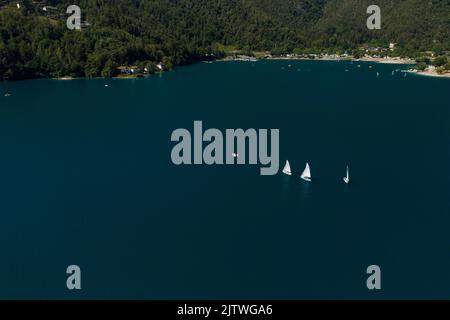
<point x="393" y="72"/>
<point x="405" y="75"/>
<point x="235" y="155"/>
<point x="378" y="74"/>
<point x="287" y="169"/>
<point x="7" y="94"/>
<point x="106" y="85"/>
<point x="306" y="175"/>
<point x="347" y="177"/>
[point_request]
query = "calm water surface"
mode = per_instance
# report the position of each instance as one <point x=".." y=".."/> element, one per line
<point x="86" y="179"/>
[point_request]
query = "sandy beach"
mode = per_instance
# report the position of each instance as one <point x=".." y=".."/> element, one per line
<point x="387" y="61"/>
<point x="329" y="58"/>
<point x="431" y="74"/>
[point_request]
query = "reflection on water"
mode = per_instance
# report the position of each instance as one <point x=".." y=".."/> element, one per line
<point x="286" y="186"/>
<point x="305" y="189"/>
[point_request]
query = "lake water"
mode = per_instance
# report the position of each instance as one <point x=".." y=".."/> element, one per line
<point x="86" y="179"/>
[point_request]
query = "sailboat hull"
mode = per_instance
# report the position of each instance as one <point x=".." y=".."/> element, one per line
<point x="287" y="169"/>
<point x="306" y="175"/>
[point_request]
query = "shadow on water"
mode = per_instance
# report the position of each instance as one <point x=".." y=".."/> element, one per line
<point x="286" y="186"/>
<point x="305" y="189"/>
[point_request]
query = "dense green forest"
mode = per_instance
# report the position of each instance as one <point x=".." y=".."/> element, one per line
<point x="36" y="43"/>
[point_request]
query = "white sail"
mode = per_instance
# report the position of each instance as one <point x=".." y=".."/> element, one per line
<point x="287" y="169"/>
<point x="306" y="175"/>
<point x="347" y="177"/>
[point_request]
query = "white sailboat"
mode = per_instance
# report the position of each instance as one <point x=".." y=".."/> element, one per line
<point x="306" y="175"/>
<point x="287" y="169"/>
<point x="347" y="177"/>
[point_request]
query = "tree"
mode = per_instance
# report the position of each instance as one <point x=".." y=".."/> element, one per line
<point x="109" y="69"/>
<point x="440" y="61"/>
<point x="425" y="60"/>
<point x="441" y="70"/>
<point x="167" y="62"/>
<point x="421" y="66"/>
<point x="128" y="32"/>
<point x="447" y="66"/>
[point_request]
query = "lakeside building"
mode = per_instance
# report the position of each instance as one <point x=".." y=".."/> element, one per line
<point x="127" y="70"/>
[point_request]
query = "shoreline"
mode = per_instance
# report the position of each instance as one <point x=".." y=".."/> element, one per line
<point x="393" y="61"/>
<point x="349" y="58"/>
<point x="403" y="61"/>
<point x="433" y="74"/>
<point x="112" y="78"/>
<point x="65" y="78"/>
<point x="243" y="58"/>
<point x="406" y="61"/>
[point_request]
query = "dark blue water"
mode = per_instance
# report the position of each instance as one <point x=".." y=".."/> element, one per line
<point x="86" y="179"/>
